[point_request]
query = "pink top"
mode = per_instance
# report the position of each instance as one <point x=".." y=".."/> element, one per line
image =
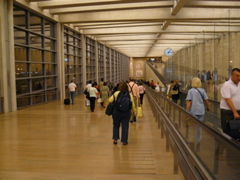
<point x="141" y="89"/>
<point x="133" y="88"/>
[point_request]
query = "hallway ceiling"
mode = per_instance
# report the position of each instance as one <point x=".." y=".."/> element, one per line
<point x="144" y="28"/>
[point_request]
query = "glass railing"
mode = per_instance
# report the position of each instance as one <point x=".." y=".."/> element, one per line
<point x="212" y="117"/>
<point x="201" y="150"/>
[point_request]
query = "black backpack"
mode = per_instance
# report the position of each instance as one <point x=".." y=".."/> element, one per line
<point x="123" y="102"/>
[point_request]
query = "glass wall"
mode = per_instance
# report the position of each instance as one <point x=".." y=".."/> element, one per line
<point x="113" y="67"/>
<point x="100" y="61"/>
<point x="72" y="58"/>
<point x="35" y="58"/>
<point x="90" y="60"/>
<point x="209" y="59"/>
<point x="107" y="64"/>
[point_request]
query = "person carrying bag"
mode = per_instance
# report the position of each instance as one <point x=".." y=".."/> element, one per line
<point x="122" y="112"/>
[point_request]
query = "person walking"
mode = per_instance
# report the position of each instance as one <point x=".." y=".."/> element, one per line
<point x="121" y="118"/>
<point x="196" y="97"/>
<point x="104" y="92"/>
<point x="72" y="88"/>
<point x="134" y="90"/>
<point x="141" y="92"/>
<point x="101" y="84"/>
<point x="230" y="101"/>
<point x="93" y="92"/>
<point x="157" y="87"/>
<point x="175" y="91"/>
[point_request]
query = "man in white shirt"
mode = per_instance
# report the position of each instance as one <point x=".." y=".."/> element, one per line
<point x="72" y="88"/>
<point x="230" y="102"/>
<point x="88" y="85"/>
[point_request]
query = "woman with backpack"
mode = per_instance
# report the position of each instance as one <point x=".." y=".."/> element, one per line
<point x="122" y="112"/>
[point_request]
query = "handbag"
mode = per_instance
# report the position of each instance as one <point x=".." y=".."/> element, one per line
<point x="173" y="92"/>
<point x="87" y="102"/>
<point x="233" y="127"/>
<point x="86" y="93"/>
<point x="110" y="107"/>
<point x="99" y="100"/>
<point x="139" y="112"/>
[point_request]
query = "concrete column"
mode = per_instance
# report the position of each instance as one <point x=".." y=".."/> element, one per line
<point x="104" y="63"/>
<point x="96" y="62"/>
<point x="60" y="60"/>
<point x="84" y="62"/>
<point x="7" y="58"/>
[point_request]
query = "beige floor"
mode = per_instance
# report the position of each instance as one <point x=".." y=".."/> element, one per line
<point x="57" y="141"/>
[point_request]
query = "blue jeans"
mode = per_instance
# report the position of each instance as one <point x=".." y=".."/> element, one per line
<point x="72" y="94"/>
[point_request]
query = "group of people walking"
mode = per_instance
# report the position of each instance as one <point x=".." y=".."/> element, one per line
<point x="111" y="94"/>
<point x="196" y="101"/>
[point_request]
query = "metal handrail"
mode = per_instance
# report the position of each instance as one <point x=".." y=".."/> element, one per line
<point x="197" y="169"/>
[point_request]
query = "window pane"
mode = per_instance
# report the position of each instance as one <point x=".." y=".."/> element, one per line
<point x="35" y="41"/>
<point x="51" y="95"/>
<point x="36" y="70"/>
<point x="37" y="84"/>
<point x="23" y="101"/>
<point x="35" y="23"/>
<point x="49" y="56"/>
<point x="78" y="60"/>
<point x="49" y="44"/>
<point x="36" y="55"/>
<point x="66" y="67"/>
<point x="71" y="64"/>
<point x="21" y="70"/>
<point x="19" y="17"/>
<point x="65" y="48"/>
<point x="38" y="98"/>
<point x="51" y="82"/>
<point x="71" y="50"/>
<point x="65" y="37"/>
<point x="48" y="29"/>
<point x="22" y="86"/>
<point x="67" y="79"/>
<point x="20" y="53"/>
<point x="50" y="70"/>
<point x="71" y="68"/>
<point x="19" y="36"/>
<point x="70" y="40"/>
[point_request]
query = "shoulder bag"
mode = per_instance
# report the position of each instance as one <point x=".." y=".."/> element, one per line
<point x="233" y="128"/>
<point x="110" y="107"/>
<point x="202" y="98"/>
<point x="174" y="92"/>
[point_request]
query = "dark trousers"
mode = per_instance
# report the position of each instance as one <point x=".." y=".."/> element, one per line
<point x="226" y="115"/>
<point x="92" y="103"/>
<point x="141" y="98"/>
<point x="121" y="119"/>
<point x="175" y="98"/>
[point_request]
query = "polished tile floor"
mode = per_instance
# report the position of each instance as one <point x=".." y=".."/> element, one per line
<point x="57" y="141"/>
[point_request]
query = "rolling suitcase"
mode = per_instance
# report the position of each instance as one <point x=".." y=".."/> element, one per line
<point x="67" y="101"/>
